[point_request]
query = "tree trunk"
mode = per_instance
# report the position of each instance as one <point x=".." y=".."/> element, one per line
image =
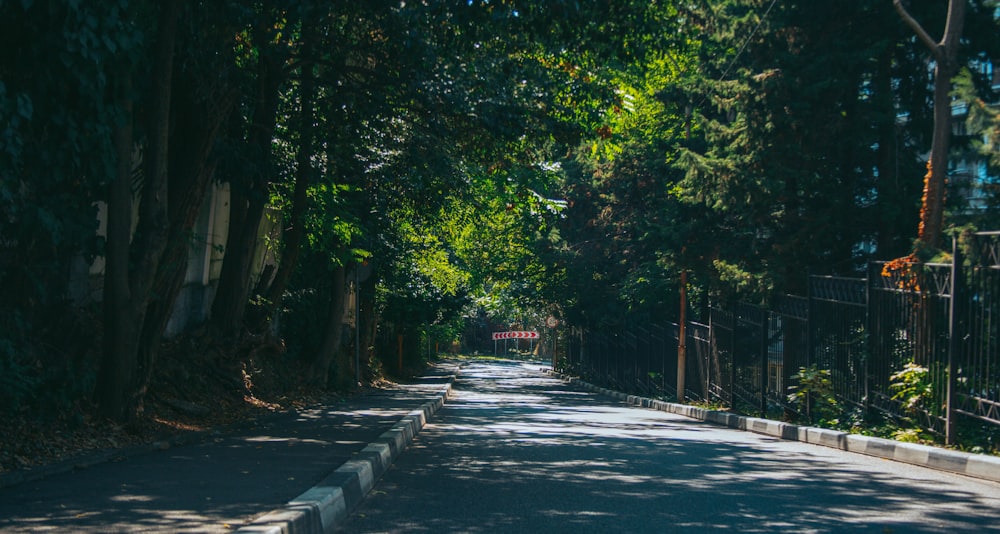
<point x="368" y="321"/>
<point x="935" y="181"/>
<point x="197" y="125"/>
<point x="117" y="369"/>
<point x="931" y="227"/>
<point x="177" y="172"/>
<point x="333" y="333"/>
<point x="131" y="269"/>
<point x="229" y="306"/>
<point x="945" y="55"/>
<point x="247" y="204"/>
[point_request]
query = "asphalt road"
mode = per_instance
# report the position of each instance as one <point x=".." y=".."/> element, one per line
<point x="516" y="451"/>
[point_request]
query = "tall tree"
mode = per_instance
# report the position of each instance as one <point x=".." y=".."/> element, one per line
<point x="64" y="93"/>
<point x="795" y="196"/>
<point x="294" y="235"/>
<point x="186" y="110"/>
<point x="269" y="38"/>
<point x="945" y="55"/>
<point x="128" y="286"/>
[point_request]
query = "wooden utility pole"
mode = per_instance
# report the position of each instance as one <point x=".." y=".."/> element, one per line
<point x="682" y="328"/>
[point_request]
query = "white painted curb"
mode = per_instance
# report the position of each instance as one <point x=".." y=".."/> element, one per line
<point x="322" y="507"/>
<point x="962" y="463"/>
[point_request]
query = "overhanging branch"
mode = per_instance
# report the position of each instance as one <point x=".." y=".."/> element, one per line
<point x="922" y="34"/>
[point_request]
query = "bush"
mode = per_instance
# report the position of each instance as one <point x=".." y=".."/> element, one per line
<point x="912" y="387"/>
<point x="813" y="393"/>
<point x="18" y="381"/>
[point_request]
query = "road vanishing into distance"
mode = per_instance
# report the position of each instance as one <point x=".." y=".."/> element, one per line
<point x="514" y="450"/>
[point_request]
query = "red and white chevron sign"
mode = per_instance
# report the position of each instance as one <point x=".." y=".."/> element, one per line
<point x="514" y="335"/>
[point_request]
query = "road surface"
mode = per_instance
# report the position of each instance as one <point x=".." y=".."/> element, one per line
<point x="514" y="450"/>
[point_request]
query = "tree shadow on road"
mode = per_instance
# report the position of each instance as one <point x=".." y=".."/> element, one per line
<point x="528" y="454"/>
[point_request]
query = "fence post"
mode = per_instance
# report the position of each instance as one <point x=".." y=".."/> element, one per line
<point x="810" y="339"/>
<point x="682" y="340"/>
<point x="732" y="361"/>
<point x="764" y="371"/>
<point x="868" y="343"/>
<point x="956" y="290"/>
<point x="810" y="313"/>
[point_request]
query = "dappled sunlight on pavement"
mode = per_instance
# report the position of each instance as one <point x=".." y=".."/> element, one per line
<point x="516" y="451"/>
<point x="217" y="484"/>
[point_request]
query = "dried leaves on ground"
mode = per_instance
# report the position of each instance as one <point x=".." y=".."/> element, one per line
<point x="199" y="386"/>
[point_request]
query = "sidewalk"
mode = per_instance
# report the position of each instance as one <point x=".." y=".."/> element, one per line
<point x="229" y="481"/>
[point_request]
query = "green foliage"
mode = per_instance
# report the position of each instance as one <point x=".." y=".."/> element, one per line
<point x="739" y="281"/>
<point x="982" y="124"/>
<point x="912" y="387"/>
<point x="711" y="405"/>
<point x="45" y="379"/>
<point x="911" y="435"/>
<point x="772" y="177"/>
<point x="813" y="393"/>
<point x="18" y="380"/>
<point x="421" y="286"/>
<point x="61" y="67"/>
<point x="812" y="381"/>
<point x="304" y="314"/>
<point x="978" y="437"/>
<point x="503" y="160"/>
<point x="64" y="69"/>
<point x="422" y="163"/>
<point x="624" y="232"/>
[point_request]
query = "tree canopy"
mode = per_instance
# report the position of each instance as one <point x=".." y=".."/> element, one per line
<point x="433" y="164"/>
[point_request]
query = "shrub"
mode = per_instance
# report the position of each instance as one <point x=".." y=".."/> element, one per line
<point x="813" y="392"/>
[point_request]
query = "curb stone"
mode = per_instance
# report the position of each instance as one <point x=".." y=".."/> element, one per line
<point x="321" y="508"/>
<point x="962" y="463"/>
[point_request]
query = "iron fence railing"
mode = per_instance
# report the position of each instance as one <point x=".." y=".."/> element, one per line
<point x="941" y="321"/>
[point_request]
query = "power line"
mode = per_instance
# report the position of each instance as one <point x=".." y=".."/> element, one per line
<point x="742" y="48"/>
<point x="747" y="40"/>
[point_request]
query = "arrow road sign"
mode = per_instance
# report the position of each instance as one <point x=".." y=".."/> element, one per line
<point x="515" y="335"/>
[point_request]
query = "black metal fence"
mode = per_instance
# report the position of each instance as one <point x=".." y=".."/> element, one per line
<point x="940" y="321"/>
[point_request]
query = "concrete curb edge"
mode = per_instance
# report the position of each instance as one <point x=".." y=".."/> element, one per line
<point x="962" y="463"/>
<point x="321" y="508"/>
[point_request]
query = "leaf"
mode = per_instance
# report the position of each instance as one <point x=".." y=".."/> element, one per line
<point x="109" y="43"/>
<point x="24" y="106"/>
